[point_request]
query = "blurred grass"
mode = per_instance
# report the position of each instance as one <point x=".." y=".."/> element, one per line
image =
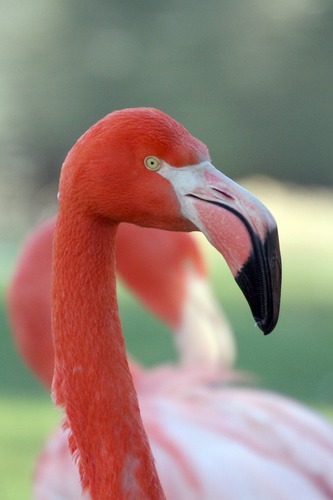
<point x="295" y="359"/>
<point x="24" y="424"/>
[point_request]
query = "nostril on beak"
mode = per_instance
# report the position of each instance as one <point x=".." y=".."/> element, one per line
<point x="223" y="193"/>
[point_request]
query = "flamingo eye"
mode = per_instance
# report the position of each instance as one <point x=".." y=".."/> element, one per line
<point x="152" y="163"/>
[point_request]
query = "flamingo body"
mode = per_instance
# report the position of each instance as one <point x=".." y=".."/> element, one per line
<point x="212" y="440"/>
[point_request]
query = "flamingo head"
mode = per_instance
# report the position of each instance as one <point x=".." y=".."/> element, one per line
<point x="141" y="166"/>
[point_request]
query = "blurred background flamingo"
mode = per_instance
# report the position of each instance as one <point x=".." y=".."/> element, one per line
<point x="167" y="272"/>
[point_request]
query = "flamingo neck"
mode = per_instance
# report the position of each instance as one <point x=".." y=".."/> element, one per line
<point x="92" y="380"/>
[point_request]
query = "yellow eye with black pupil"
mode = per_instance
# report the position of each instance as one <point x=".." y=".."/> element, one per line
<point x="152" y="163"/>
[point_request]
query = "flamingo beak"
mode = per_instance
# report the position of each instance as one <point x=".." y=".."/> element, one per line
<point x="243" y="230"/>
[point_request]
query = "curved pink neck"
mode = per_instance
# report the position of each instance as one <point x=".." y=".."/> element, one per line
<point x="92" y="380"/>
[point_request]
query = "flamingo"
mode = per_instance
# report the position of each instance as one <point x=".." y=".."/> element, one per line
<point x="141" y="166"/>
<point x="155" y="264"/>
<point x="138" y="166"/>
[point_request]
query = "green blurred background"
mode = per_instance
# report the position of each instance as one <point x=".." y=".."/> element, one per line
<point x="253" y="79"/>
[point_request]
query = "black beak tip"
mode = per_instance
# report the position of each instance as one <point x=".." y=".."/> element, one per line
<point x="268" y="324"/>
<point x="260" y="282"/>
